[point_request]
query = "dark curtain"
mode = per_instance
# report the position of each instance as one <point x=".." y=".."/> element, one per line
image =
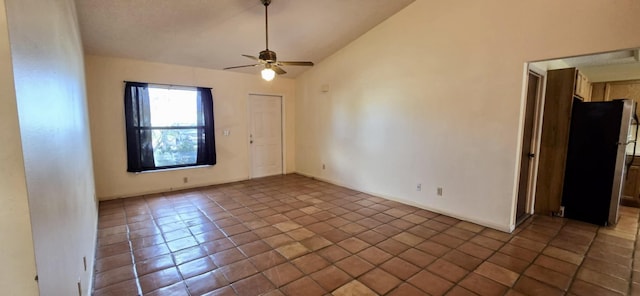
<point x="206" y="140"/>
<point x="138" y="126"/>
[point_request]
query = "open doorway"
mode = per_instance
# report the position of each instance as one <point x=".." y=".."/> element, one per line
<point x="590" y="78"/>
<point x="533" y="95"/>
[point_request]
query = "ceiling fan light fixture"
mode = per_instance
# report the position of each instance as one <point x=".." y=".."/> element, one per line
<point x="268" y="74"/>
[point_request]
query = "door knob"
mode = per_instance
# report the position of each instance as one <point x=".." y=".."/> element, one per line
<point x="531" y="155"/>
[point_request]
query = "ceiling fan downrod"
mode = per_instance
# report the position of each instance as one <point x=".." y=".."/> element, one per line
<point x="266" y="21"/>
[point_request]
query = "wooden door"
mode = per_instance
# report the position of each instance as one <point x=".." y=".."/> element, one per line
<point x="528" y="149"/>
<point x="554" y="140"/>
<point x="265" y="135"/>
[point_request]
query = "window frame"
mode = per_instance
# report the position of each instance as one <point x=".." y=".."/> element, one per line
<point x="205" y="149"/>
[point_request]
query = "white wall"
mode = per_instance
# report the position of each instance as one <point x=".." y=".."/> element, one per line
<point x="231" y="90"/>
<point x="18" y="267"/>
<point x="434" y="96"/>
<point x="50" y="92"/>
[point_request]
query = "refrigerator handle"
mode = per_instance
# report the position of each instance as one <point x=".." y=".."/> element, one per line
<point x="635" y="139"/>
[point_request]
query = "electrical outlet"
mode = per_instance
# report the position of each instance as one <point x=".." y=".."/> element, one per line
<point x="439" y="191"/>
<point x="79" y="289"/>
<point x="84" y="261"/>
<point x="419" y="187"/>
<point x="323" y="166"/>
<point x="185" y="180"/>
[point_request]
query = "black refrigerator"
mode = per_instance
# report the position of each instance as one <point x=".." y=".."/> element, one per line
<point x="597" y="160"/>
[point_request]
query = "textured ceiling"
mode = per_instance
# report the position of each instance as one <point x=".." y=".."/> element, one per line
<point x="213" y="33"/>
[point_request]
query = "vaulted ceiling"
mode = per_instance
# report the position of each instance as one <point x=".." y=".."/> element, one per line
<point x="213" y="34"/>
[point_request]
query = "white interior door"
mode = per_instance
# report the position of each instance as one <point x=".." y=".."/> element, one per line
<point x="265" y="135"/>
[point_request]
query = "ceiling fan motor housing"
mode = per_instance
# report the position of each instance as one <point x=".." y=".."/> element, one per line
<point x="268" y="56"/>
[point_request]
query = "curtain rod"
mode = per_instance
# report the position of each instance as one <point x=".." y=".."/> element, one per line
<point x="177" y="85"/>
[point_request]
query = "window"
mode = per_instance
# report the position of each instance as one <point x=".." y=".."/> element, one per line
<point x="168" y="127"/>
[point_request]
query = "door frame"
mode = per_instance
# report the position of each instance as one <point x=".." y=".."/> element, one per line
<point x="282" y="131"/>
<point x="535" y="141"/>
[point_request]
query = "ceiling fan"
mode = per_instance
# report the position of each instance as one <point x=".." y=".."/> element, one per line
<point x="267" y="58"/>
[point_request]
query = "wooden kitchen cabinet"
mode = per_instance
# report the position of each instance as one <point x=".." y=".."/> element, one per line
<point x="631" y="189"/>
<point x="583" y="87"/>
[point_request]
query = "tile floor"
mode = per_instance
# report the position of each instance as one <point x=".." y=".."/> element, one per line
<point x="292" y="235"/>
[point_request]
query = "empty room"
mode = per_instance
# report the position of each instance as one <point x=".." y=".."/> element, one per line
<point x="281" y="147"/>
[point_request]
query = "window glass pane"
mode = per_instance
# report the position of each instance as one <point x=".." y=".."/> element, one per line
<point x="173" y="107"/>
<point x="175" y="146"/>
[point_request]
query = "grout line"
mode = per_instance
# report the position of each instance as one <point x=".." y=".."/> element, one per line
<point x="133" y="259"/>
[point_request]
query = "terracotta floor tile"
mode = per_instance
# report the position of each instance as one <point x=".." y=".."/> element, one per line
<point x="548" y="276"/>
<point x="310" y="263"/>
<point x="560" y="266"/>
<point x="433" y="248"/>
<point x="189" y="254"/>
<point x="330" y="278"/>
<point x="177" y="289"/>
<point x="253" y="285"/>
<point x="447" y="270"/>
<point x="475" y="250"/>
<point x="238" y="270"/>
<point x="217" y="246"/>
<point x="207" y="282"/>
<point x="282" y="274"/>
<point x="533" y="287"/>
<point x="292" y="250"/>
<point x="254" y="248"/>
<point x="400" y="268"/>
<point x="387" y="230"/>
<point x="580" y="287"/>
<point x="154" y="264"/>
<point x="316" y="243"/>
<point x="460" y="291"/>
<point x="244" y="238"/>
<point x="224" y="291"/>
<point x="422" y="231"/>
<point x="603" y="280"/>
<point x="143" y="242"/>
<point x="196" y="267"/>
<point x="392" y="246"/>
<point x="111" y="262"/>
<point x="406" y="290"/>
<point x="354" y="288"/>
<point x="509" y="262"/>
<point x="498" y="273"/>
<point x="128" y="287"/>
<point x="114" y="249"/>
<point x="227" y="257"/>
<point x="482" y="285"/>
<point x="430" y="283"/>
<point x="306" y="237"/>
<point x="353" y="245"/>
<point x="380" y="281"/>
<point x="374" y="255"/>
<point x="267" y="260"/>
<point x="417" y="257"/>
<point x="113" y="276"/>
<point x="519" y="252"/>
<point x="460" y="233"/>
<point x="463" y="260"/>
<point x="333" y="253"/>
<point x="304" y="286"/>
<point x="447" y="240"/>
<point x="159" y="279"/>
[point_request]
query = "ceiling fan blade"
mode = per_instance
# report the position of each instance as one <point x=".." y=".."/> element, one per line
<point x="251" y="57"/>
<point x="294" y="63"/>
<point x="243" y="66"/>
<point x="278" y="70"/>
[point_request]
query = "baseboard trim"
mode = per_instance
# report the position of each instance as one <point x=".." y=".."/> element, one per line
<point x="503" y="228"/>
